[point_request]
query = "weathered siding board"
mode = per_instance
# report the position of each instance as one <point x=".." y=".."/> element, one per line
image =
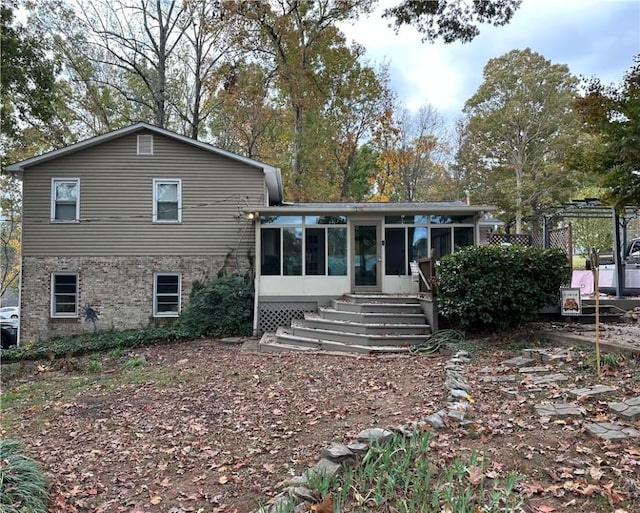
<point x="116" y="201"/>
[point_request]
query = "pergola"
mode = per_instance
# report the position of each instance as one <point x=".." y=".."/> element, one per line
<point x="592" y="208"/>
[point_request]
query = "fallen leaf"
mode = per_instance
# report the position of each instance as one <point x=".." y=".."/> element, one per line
<point x="545" y="509"/>
<point x="326" y="506"/>
<point x="475" y="474"/>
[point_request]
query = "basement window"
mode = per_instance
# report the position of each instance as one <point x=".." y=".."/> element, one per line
<point x="166" y="294"/>
<point x="64" y="295"/>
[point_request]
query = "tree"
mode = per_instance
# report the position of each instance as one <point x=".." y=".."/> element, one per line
<point x="412" y="168"/>
<point x="302" y="41"/>
<point x="611" y="115"/>
<point x="520" y="126"/>
<point x="452" y="20"/>
<point x="28" y="75"/>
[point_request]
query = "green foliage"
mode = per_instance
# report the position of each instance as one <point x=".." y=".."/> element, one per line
<point x="399" y="475"/>
<point x="132" y="363"/>
<point x="451" y="20"/>
<point x="612" y="115"/>
<point x="519" y="130"/>
<point x="22" y="485"/>
<point x="113" y="341"/>
<point x="491" y="287"/>
<point x="221" y="307"/>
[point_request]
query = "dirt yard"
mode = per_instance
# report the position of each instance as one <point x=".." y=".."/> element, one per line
<point x="206" y="427"/>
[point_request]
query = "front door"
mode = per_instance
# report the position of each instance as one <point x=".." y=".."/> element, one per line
<point x="367" y="257"/>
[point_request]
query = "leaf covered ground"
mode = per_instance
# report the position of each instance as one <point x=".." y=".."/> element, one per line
<point x="203" y="426"/>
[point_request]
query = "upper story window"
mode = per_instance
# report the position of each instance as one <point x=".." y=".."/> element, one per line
<point x="167" y="200"/>
<point x="65" y="199"/>
<point x="145" y="145"/>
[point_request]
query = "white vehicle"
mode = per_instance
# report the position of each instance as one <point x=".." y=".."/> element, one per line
<point x="9" y="312"/>
<point x="631" y="262"/>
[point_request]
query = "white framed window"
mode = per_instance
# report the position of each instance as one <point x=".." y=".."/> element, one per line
<point x="167" y="200"/>
<point x="145" y="145"/>
<point x="167" y="290"/>
<point x="64" y="295"/>
<point x="65" y="200"/>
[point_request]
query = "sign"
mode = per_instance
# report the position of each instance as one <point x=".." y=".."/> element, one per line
<point x="570" y="302"/>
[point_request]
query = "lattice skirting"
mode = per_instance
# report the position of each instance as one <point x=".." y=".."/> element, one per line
<point x="274" y="315"/>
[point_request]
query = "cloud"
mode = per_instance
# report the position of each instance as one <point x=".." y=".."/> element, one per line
<point x="593" y="37"/>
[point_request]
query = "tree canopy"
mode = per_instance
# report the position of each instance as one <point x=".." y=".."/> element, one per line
<point x="452" y="20"/>
<point x="611" y="115"/>
<point x="520" y="125"/>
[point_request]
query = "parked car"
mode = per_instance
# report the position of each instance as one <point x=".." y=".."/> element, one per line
<point x="9" y="332"/>
<point x="9" y="312"/>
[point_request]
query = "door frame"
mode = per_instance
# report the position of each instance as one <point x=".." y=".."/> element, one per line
<point x="377" y="288"/>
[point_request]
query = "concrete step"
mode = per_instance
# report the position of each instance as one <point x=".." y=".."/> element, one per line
<point x="300" y="328"/>
<point x="316" y="321"/>
<point x="381" y="298"/>
<point x="285" y="339"/>
<point x="372" y="318"/>
<point x="348" y="306"/>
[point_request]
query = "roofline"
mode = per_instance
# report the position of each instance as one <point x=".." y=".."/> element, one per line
<point x="362" y="208"/>
<point x="274" y="180"/>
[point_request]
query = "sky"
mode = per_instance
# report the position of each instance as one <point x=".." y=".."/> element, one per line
<point x="592" y="37"/>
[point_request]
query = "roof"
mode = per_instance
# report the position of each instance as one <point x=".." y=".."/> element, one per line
<point x="432" y="207"/>
<point x="272" y="174"/>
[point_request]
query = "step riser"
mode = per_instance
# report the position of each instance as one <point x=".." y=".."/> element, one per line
<point x="325" y="324"/>
<point x="373" y="318"/>
<point x="364" y="298"/>
<point x="326" y="345"/>
<point x="352" y="338"/>
<point x="376" y="307"/>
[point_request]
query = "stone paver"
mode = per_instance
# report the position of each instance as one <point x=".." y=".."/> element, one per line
<point x="592" y="391"/>
<point x="558" y="410"/>
<point x="611" y="431"/>
<point x="549" y="378"/>
<point x="498" y="379"/>
<point x="373" y="434"/>
<point x="518" y="361"/>
<point x="494" y="370"/>
<point x="549" y="355"/>
<point x="628" y="409"/>
<point x="533" y="370"/>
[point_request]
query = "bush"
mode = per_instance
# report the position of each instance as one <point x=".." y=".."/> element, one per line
<point x="491" y="287"/>
<point x="22" y="485"/>
<point x="220" y="307"/>
<point x="84" y="343"/>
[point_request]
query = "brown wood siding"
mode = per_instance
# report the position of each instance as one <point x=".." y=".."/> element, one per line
<point x="116" y="201"/>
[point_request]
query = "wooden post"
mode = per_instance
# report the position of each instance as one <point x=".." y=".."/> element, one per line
<point x="594" y="270"/>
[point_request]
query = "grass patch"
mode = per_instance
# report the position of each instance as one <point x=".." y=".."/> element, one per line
<point x="399" y="475"/>
<point x="132" y="363"/>
<point x="22" y="482"/>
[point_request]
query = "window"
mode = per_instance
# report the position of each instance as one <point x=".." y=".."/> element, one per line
<point x="315" y="245"/>
<point x="64" y="295"/>
<point x="167" y="201"/>
<point x="65" y="200"/>
<point x="166" y="294"/>
<point x="145" y="145"/>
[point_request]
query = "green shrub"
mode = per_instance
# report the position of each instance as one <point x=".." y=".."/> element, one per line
<point x="220" y="307"/>
<point x="22" y="485"/>
<point x="90" y="342"/>
<point x="491" y="287"/>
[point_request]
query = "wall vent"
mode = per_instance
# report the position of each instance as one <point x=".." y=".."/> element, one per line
<point x="145" y="145"/>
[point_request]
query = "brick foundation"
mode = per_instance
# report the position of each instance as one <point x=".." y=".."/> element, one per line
<point x="121" y="288"/>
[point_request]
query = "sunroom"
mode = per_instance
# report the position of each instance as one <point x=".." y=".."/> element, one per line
<point x="310" y="253"/>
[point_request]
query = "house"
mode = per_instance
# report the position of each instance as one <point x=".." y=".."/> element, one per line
<point x="125" y="222"/>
